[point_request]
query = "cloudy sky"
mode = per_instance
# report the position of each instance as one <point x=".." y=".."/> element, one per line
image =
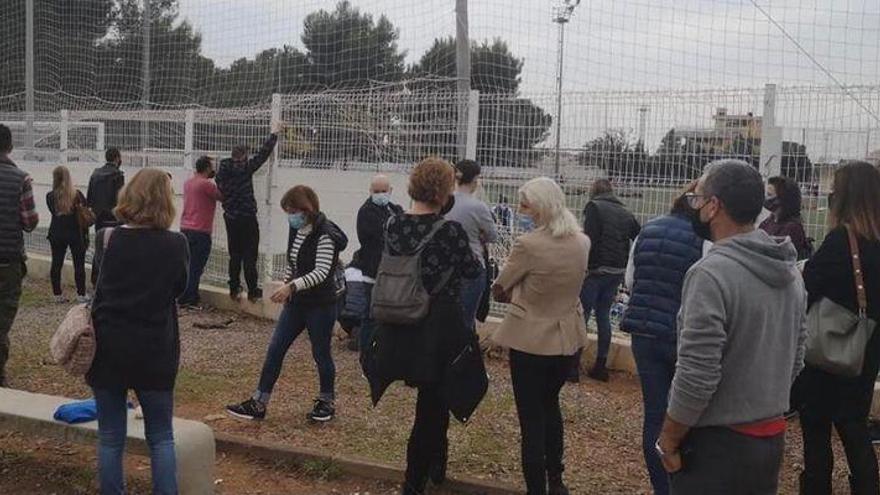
<point x="637" y="46"/>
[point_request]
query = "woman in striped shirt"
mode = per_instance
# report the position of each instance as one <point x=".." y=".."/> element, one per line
<point x="309" y="295"/>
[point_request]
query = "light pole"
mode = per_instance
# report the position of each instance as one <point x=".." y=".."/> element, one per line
<point x="561" y="16"/>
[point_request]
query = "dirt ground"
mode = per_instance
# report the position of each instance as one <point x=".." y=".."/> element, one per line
<point x="221" y="366"/>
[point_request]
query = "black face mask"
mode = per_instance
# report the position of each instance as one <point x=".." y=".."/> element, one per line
<point x="701" y="229"/>
<point x="772" y="203"/>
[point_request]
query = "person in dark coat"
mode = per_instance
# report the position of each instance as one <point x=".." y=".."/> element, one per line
<point x="611" y="228"/>
<point x="784" y="203"/>
<point x="66" y="232"/>
<point x="142" y="272"/>
<point x="310" y="296"/>
<point x="371" y="220"/>
<point x="101" y="196"/>
<point x="661" y="256"/>
<point x="420" y="355"/>
<point x="831" y="400"/>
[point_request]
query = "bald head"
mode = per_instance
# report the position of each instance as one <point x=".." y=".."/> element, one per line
<point x="380" y="184"/>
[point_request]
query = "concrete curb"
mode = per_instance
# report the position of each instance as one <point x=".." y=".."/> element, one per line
<point x="274" y="452"/>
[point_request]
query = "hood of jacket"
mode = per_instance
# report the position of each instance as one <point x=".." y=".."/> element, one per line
<point x="108" y="170"/>
<point x="609" y="197"/>
<point x="773" y="260"/>
<point x="322" y="223"/>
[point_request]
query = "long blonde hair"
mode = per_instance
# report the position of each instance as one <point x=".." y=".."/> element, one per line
<point x="546" y="199"/>
<point x="62" y="188"/>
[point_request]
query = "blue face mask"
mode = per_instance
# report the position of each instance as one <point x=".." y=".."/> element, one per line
<point x="381" y="199"/>
<point x="296" y="220"/>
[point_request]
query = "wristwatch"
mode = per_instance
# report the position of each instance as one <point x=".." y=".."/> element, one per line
<point x="660" y="452"/>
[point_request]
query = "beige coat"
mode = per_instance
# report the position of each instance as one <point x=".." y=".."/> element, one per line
<point x="544" y="276"/>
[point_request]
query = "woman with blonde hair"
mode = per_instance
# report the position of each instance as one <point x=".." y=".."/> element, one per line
<point x="66" y="232"/>
<point x="833" y="400"/>
<point x="142" y="272"/>
<point x="544" y="327"/>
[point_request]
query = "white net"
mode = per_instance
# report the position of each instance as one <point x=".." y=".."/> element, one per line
<point x="643" y="91"/>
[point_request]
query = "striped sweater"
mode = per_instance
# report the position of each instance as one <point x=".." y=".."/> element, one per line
<point x="323" y="261"/>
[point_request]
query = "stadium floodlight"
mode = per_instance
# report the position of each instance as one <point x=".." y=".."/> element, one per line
<point x="561" y="15"/>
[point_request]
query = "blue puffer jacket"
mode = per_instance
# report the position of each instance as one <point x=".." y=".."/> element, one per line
<point x="665" y="250"/>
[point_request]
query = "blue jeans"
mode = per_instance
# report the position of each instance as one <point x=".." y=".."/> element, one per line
<point x="597" y="295"/>
<point x="319" y="320"/>
<point x="655" y="361"/>
<point x="199" y="250"/>
<point x="158" y="408"/>
<point x="471" y="293"/>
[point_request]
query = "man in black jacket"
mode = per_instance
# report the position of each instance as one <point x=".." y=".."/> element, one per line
<point x="235" y="179"/>
<point x="104" y="187"/>
<point x="611" y="228"/>
<point x="371" y="220"/>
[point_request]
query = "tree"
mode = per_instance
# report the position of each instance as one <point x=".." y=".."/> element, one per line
<point x="250" y="82"/>
<point x="509" y="126"/>
<point x="795" y="163"/>
<point x="347" y="49"/>
<point x="617" y="153"/>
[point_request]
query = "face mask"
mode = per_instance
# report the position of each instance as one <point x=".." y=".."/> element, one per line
<point x="381" y="199"/>
<point x="296" y="220"/>
<point x="771" y="203"/>
<point x="700" y="228"/>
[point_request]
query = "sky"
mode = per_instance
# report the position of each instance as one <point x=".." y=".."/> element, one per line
<point x="649" y="49"/>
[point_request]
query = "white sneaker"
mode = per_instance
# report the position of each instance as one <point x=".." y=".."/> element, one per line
<point x="84" y="299"/>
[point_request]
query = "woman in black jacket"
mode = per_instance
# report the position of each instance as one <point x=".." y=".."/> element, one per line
<point x="309" y="295"/>
<point x="143" y="271"/>
<point x="784" y="202"/>
<point x="66" y="232"/>
<point x="421" y="354"/>
<point x="831" y="399"/>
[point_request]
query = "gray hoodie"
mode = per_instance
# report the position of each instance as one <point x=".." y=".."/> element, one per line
<point x="741" y="331"/>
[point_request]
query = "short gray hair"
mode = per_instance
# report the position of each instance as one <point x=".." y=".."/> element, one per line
<point x="738" y="186"/>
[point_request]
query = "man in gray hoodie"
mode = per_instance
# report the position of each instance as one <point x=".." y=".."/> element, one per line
<point x="740" y="345"/>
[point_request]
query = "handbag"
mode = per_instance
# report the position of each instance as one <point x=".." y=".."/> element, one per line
<point x="465" y="381"/>
<point x="837" y="337"/>
<point x="73" y="344"/>
<point x="85" y="217"/>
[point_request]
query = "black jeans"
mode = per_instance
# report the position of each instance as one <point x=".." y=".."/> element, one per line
<point x="78" y="253"/>
<point x="243" y="242"/>
<point x="537" y="381"/>
<point x="721" y="461"/>
<point x="819" y="458"/>
<point x="428" y="438"/>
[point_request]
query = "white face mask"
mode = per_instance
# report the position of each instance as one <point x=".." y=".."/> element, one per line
<point x="381" y="199"/>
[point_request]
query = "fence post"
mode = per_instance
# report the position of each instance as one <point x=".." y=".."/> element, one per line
<point x="189" y="138"/>
<point x="63" y="130"/>
<point x="771" y="136"/>
<point x="268" y="255"/>
<point x="473" y="122"/>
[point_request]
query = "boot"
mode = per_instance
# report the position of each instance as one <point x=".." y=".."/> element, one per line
<point x="437" y="472"/>
<point x="810" y="485"/>
<point x="555" y="485"/>
<point x="599" y="371"/>
<point x="408" y="489"/>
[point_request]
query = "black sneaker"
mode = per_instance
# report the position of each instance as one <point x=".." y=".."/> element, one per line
<point x="250" y="409"/>
<point x="599" y="373"/>
<point x="556" y="486"/>
<point x="255" y="295"/>
<point x="235" y="293"/>
<point x="323" y="411"/>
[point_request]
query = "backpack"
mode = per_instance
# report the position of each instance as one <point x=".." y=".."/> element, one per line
<point x="399" y="297"/>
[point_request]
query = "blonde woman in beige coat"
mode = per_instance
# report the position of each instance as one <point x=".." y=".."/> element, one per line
<point x="544" y="325"/>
